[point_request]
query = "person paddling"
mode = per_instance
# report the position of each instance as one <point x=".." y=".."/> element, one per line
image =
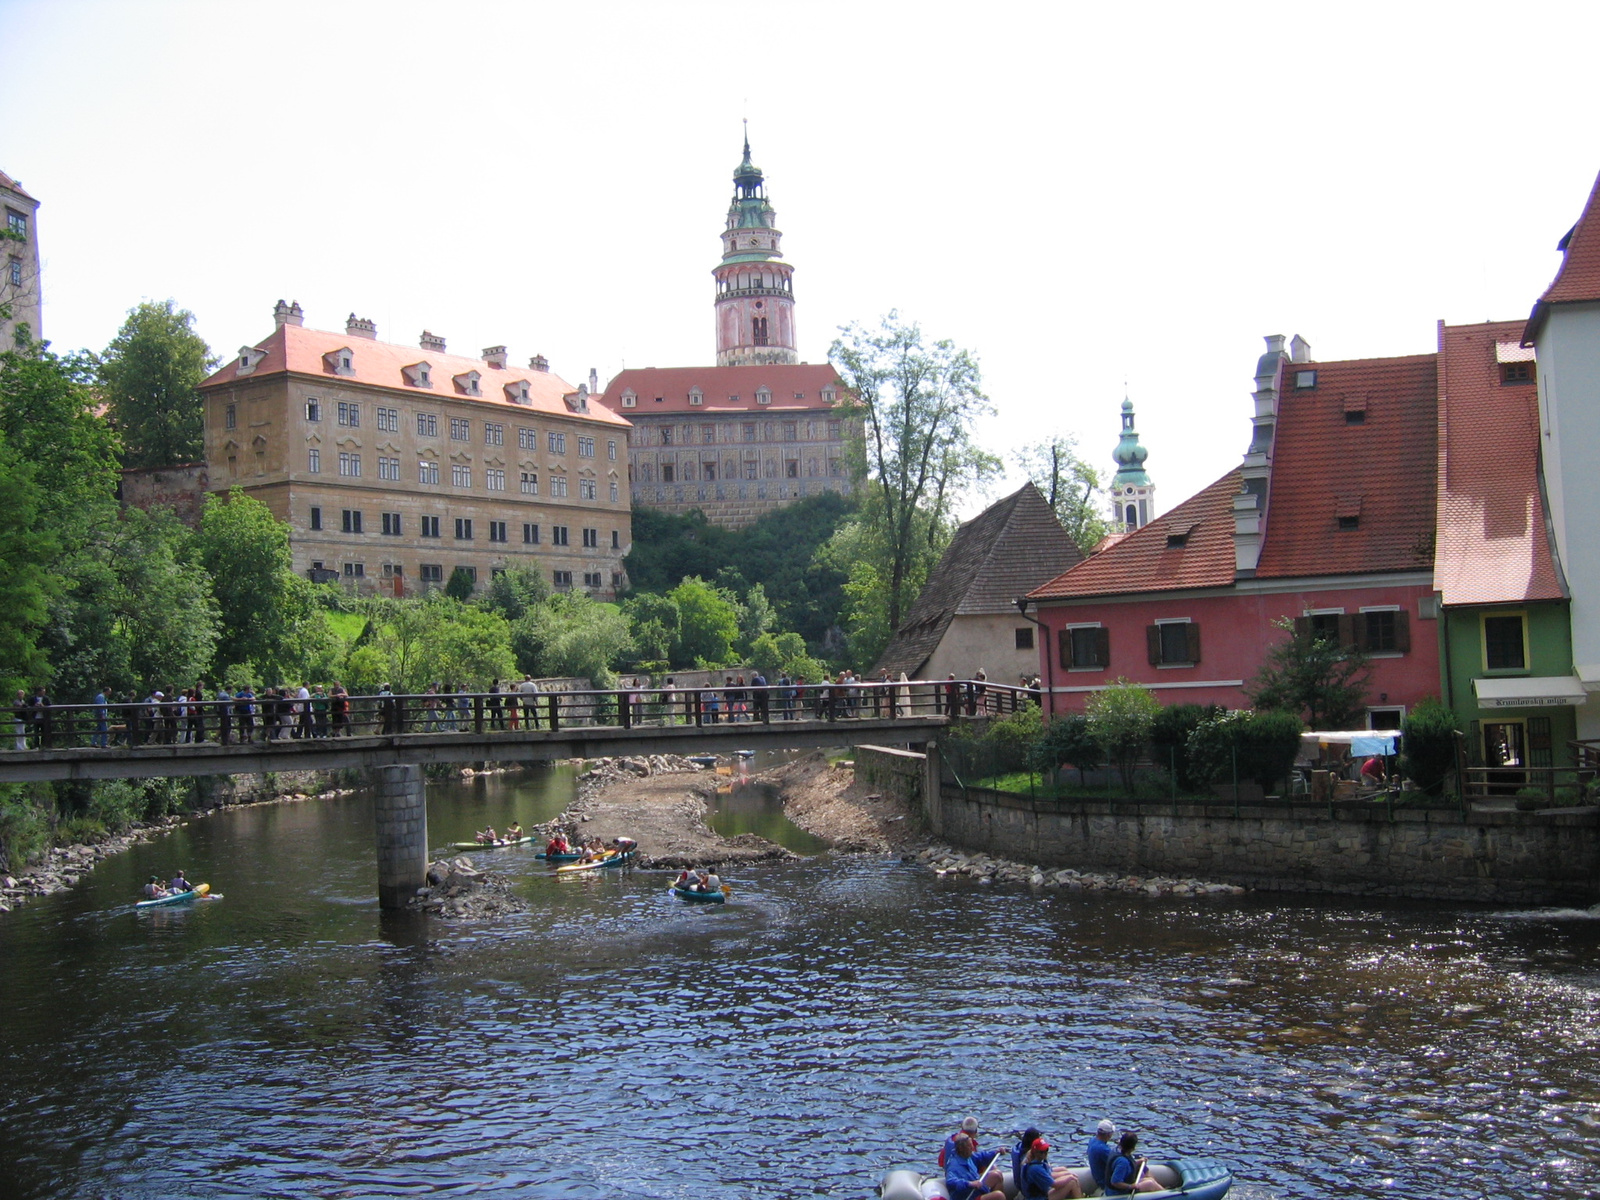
<point x="514" y="832"/>
<point x="154" y="891"/>
<point x="179" y="883"/>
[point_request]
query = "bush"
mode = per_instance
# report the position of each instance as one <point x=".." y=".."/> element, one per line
<point x="1429" y="745"/>
<point x="1120" y="719"/>
<point x="1262" y="744"/>
<point x="1170" y="736"/>
<point x="1067" y="740"/>
<point x="24" y="826"/>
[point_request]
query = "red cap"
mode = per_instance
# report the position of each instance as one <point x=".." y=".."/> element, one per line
<point x="1040" y="1145"/>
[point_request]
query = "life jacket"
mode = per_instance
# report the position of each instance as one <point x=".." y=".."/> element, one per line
<point x="1111" y="1172"/>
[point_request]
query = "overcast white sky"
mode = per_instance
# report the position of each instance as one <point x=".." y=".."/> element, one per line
<point x="1082" y="194"/>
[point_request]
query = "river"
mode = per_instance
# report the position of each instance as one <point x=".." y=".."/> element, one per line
<point x="836" y="1018"/>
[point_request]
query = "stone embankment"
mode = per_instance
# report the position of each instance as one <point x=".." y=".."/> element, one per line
<point x="988" y="869"/>
<point x="456" y="890"/>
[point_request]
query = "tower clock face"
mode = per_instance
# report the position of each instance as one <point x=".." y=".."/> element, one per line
<point x="755" y="241"/>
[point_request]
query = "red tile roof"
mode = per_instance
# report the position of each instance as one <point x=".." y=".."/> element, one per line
<point x="1324" y="467"/>
<point x="1578" y="277"/>
<point x="1142" y="561"/>
<point x="1493" y="547"/>
<point x="794" y="387"/>
<point x="7" y="182"/>
<point x="296" y="349"/>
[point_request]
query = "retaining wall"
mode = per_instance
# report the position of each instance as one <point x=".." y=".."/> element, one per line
<point x="898" y="773"/>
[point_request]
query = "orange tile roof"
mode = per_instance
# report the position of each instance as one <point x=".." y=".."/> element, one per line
<point x="1382" y="469"/>
<point x="296" y="349"/>
<point x="7" y="182"/>
<point x="1142" y="561"/>
<point x="1493" y="547"/>
<point x="794" y="387"/>
<point x="1578" y="277"/>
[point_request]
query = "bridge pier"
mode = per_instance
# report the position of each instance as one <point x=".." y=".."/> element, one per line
<point x="401" y="809"/>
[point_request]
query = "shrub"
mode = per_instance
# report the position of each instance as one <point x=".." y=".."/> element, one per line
<point x="1120" y="719"/>
<point x="1067" y="740"/>
<point x="1429" y="745"/>
<point x="1262" y="745"/>
<point x="1170" y="734"/>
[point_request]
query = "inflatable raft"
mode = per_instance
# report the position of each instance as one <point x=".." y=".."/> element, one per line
<point x="698" y="897"/>
<point x="1185" y="1178"/>
<point x="202" y="891"/>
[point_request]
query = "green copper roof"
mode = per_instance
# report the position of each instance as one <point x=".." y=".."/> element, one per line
<point x="1129" y="454"/>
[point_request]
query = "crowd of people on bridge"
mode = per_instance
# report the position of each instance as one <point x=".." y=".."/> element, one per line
<point x="1114" y="1169"/>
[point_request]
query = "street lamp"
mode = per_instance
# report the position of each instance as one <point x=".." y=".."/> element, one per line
<point x="1049" y="665"/>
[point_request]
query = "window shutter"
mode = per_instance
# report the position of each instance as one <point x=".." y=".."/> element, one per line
<point x="1152" y="643"/>
<point x="1348" y="636"/>
<point x="1064" y="647"/>
<point x="1102" y="648"/>
<point x="1402" y="631"/>
<point x="1194" y="642"/>
<point x="1302" y="627"/>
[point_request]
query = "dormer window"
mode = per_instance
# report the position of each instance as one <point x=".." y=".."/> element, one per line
<point x="418" y="374"/>
<point x="467" y="383"/>
<point x="1516" y="362"/>
<point x="629" y="398"/>
<point x="517" y="392"/>
<point x="249" y="359"/>
<point x="1176" y="541"/>
<point x="1304" y="380"/>
<point x="1355" y="410"/>
<point x="1516" y="372"/>
<point x="1348" y="512"/>
<point x="763" y="395"/>
<point x="827" y="395"/>
<point x="339" y="362"/>
<point x="578" y="401"/>
<point x="696" y="396"/>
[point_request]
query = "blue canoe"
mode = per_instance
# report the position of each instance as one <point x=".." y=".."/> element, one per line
<point x="610" y="860"/>
<point x="694" y="897"/>
<point x="573" y="857"/>
<point x="1182" y="1179"/>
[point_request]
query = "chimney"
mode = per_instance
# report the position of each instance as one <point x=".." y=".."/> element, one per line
<point x="432" y="341"/>
<point x="594" y="382"/>
<point x="1299" y="350"/>
<point x="539" y="362"/>
<point x="495" y="357"/>
<point x="361" y="327"/>
<point x="297" y="315"/>
<point x="287" y="314"/>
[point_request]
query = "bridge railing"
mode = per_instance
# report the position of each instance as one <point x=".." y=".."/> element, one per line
<point x="289" y="718"/>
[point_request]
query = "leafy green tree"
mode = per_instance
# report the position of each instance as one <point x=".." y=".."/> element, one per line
<point x="579" y="636"/>
<point x="1314" y="677"/>
<point x="1070" y="485"/>
<point x="918" y="404"/>
<point x="1067" y="739"/>
<point x="27" y="585"/>
<point x="514" y="591"/>
<point x="654" y="622"/>
<point x="1121" y="718"/>
<point x="1169" y="737"/>
<point x="162" y="605"/>
<point x="464" y="645"/>
<point x="756" y="617"/>
<point x="779" y="654"/>
<point x="859" y="552"/>
<point x="1428" y="744"/>
<point x="708" y="624"/>
<point x="149" y="374"/>
<point x="460" y="585"/>
<point x="245" y="550"/>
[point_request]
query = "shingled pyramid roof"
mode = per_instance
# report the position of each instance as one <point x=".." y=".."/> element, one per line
<point x="1004" y="552"/>
<point x="1578" y="278"/>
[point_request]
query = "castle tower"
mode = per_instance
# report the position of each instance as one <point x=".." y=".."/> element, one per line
<point x="1133" y="496"/>
<point x="755" y="289"/>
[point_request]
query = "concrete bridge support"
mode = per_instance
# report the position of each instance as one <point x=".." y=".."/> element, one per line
<point x="402" y="828"/>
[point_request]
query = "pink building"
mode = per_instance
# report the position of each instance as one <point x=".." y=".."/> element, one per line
<point x="1328" y="522"/>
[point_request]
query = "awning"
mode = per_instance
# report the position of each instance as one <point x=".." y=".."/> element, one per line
<point x="1538" y="691"/>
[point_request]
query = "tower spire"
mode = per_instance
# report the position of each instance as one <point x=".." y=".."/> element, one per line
<point x="1132" y="493"/>
<point x="755" y="289"/>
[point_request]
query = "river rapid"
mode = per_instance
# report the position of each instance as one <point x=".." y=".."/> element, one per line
<point x="835" y="1019"/>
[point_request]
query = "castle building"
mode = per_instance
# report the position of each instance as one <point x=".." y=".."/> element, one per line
<point x="21" y="296"/>
<point x="758" y="430"/>
<point x="395" y="465"/>
<point x="1133" y="496"/>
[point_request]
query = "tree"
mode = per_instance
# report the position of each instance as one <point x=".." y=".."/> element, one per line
<point x="1428" y="742"/>
<point x="1070" y="485"/>
<point x="463" y="645"/>
<point x="514" y="591"/>
<point x="149" y="374"/>
<point x="245" y="549"/>
<point x="708" y="624"/>
<point x="1120" y="719"/>
<point x="1257" y="745"/>
<point x="1170" y="733"/>
<point x="1067" y="740"/>
<point x="162" y="606"/>
<point x="1315" y="677"/>
<point x="756" y="617"/>
<point x="460" y="585"/>
<point x="779" y="654"/>
<point x="578" y="637"/>
<point x="654" y="622"/>
<point x="918" y="404"/>
<point x="26" y="581"/>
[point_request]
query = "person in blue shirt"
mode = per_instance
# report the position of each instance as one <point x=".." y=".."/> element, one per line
<point x="1038" y="1180"/>
<point x="1100" y="1152"/>
<point x="1020" y="1151"/>
<point x="967" y="1175"/>
<point x="969" y="1126"/>
<point x="1127" y="1170"/>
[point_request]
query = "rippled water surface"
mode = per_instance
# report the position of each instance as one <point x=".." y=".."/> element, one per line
<point x="833" y="1020"/>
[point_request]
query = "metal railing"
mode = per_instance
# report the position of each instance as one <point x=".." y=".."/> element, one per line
<point x="270" y="718"/>
<point x="1555" y="786"/>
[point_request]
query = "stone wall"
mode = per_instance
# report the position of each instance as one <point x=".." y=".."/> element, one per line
<point x="1419" y="853"/>
<point x="898" y="773"/>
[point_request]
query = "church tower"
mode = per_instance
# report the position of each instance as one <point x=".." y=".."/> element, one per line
<point x="1133" y="496"/>
<point x="755" y="289"/>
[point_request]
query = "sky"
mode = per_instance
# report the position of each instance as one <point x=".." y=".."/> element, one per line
<point x="1097" y="200"/>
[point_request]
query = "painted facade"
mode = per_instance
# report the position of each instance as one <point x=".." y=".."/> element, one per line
<point x="394" y="465"/>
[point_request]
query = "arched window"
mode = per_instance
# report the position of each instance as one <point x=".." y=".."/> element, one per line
<point x="759" y="327"/>
<point x="1131" y="518"/>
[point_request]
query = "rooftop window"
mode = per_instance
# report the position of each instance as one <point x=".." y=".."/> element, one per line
<point x="1305" y="379"/>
